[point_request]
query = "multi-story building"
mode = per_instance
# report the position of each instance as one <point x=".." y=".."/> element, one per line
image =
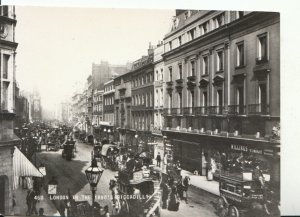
<point x="123" y="106"/>
<point x="222" y="96"/>
<point x="90" y="93"/>
<point x="8" y="139"/>
<point x="98" y="107"/>
<point x="142" y="91"/>
<point x="108" y="107"/>
<point x="158" y="99"/>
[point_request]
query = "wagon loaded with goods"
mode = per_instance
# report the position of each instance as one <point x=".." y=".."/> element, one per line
<point x="241" y="194"/>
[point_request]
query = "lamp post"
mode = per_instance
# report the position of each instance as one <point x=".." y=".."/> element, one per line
<point x="93" y="175"/>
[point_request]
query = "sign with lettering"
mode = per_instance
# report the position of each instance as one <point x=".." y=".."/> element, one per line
<point x="246" y="149"/>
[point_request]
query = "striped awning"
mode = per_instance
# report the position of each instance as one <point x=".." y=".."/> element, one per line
<point x="23" y="167"/>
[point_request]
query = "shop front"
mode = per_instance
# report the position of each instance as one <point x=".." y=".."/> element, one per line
<point x="200" y="153"/>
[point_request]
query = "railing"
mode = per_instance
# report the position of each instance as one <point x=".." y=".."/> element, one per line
<point x="215" y="110"/>
<point x="189" y="111"/>
<point x="176" y="111"/>
<point x="237" y="109"/>
<point x="201" y="110"/>
<point x="167" y="111"/>
<point x="260" y="60"/>
<point x="262" y="109"/>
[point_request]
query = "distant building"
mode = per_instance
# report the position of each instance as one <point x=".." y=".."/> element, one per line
<point x="21" y="109"/>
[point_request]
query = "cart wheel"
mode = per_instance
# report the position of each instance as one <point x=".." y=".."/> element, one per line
<point x="233" y="212"/>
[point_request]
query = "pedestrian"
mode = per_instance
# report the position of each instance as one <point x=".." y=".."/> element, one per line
<point x="165" y="162"/>
<point x="106" y="212"/>
<point x="41" y="212"/>
<point x="173" y="201"/>
<point x="165" y="194"/>
<point x="180" y="189"/>
<point x="186" y="183"/>
<point x="28" y="203"/>
<point x="158" y="159"/>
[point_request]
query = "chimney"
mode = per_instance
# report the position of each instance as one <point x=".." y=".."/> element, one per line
<point x="150" y="49"/>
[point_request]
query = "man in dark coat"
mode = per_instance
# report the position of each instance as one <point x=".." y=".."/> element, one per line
<point x="158" y="159"/>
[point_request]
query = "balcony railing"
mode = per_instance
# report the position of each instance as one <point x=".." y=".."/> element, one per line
<point x="176" y="111"/>
<point x="167" y="111"/>
<point x="201" y="110"/>
<point x="216" y="110"/>
<point x="189" y="111"/>
<point x="262" y="109"/>
<point x="260" y="60"/>
<point x="237" y="109"/>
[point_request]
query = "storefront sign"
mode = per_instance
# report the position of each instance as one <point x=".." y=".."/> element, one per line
<point x="246" y="149"/>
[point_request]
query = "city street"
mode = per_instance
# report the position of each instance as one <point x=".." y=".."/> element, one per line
<point x="70" y="175"/>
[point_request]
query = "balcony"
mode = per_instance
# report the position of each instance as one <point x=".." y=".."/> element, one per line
<point x="158" y="83"/>
<point x="176" y="111"/>
<point x="167" y="111"/>
<point x="169" y="83"/>
<point x="258" y="109"/>
<point x="237" y="109"/>
<point x="189" y="111"/>
<point x="191" y="78"/>
<point x="261" y="60"/>
<point x="179" y="81"/>
<point x="216" y="110"/>
<point x="201" y="110"/>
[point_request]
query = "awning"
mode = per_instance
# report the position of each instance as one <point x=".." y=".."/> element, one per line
<point x="23" y="167"/>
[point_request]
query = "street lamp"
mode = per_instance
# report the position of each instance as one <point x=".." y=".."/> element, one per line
<point x="137" y="142"/>
<point x="93" y="175"/>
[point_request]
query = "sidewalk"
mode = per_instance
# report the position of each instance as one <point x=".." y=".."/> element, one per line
<point x="198" y="181"/>
<point x="45" y="203"/>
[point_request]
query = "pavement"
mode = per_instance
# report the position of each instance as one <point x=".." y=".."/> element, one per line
<point x="45" y="203"/>
<point x="199" y="181"/>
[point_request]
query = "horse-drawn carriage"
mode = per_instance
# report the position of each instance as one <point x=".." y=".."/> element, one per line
<point x="138" y="193"/>
<point x="68" y="150"/>
<point x="106" y="154"/>
<point x="241" y="195"/>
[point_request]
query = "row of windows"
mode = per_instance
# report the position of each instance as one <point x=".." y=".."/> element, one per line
<point x="200" y="30"/>
<point x="98" y="108"/>
<point x="262" y="55"/>
<point x="109" y="100"/>
<point x="142" y="79"/>
<point x="159" y="96"/>
<point x="97" y="98"/>
<point x="143" y="99"/>
<point x="239" y="97"/>
<point x="109" y="88"/>
<point x="159" y="76"/>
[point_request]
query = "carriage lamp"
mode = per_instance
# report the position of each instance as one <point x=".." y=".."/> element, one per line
<point x="93" y="175"/>
<point x="136" y="136"/>
<point x="108" y="131"/>
<point x="104" y="130"/>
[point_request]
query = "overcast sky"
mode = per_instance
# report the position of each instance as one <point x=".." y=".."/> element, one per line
<point x="57" y="45"/>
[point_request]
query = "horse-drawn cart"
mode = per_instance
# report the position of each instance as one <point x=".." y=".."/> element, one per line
<point x="241" y="195"/>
